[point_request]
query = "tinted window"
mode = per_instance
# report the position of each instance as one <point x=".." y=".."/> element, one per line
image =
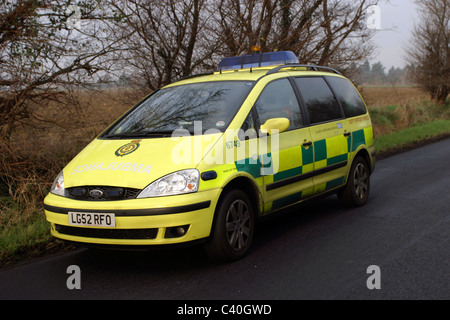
<point x="213" y="104"/>
<point x="248" y="130"/>
<point x="319" y="99"/>
<point x="348" y="96"/>
<point x="278" y="100"/>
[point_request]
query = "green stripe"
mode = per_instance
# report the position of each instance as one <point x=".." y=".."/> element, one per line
<point x="335" y="183"/>
<point x="253" y="167"/>
<point x="307" y="155"/>
<point x="320" y="150"/>
<point x="349" y="144"/>
<point x="338" y="159"/>
<point x="288" y="174"/>
<point x="283" y="202"/>
<point x="359" y="138"/>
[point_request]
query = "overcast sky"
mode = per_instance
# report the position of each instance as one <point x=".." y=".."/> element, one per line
<point x="397" y="22"/>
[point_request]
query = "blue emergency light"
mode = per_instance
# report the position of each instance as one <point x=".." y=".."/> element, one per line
<point x="258" y="60"/>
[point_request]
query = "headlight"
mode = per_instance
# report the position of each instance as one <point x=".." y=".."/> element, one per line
<point x="58" y="185"/>
<point x="180" y="182"/>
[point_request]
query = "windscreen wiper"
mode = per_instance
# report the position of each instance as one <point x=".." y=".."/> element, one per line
<point x="130" y="135"/>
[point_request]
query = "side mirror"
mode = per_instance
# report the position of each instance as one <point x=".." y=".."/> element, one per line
<point x="278" y="124"/>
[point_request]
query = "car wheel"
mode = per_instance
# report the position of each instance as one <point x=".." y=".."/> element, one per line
<point x="233" y="229"/>
<point x="357" y="190"/>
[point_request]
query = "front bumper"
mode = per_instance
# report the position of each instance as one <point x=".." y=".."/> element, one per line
<point x="139" y="222"/>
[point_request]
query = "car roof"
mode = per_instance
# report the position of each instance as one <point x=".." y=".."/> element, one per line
<point x="252" y="74"/>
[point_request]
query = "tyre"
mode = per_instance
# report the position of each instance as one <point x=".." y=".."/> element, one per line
<point x="356" y="192"/>
<point x="233" y="230"/>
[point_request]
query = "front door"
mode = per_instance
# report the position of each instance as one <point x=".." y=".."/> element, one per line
<point x="287" y="158"/>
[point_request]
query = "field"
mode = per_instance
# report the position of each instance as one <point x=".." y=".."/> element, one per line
<point x="386" y="96"/>
<point x="41" y="147"/>
<point x="394" y="109"/>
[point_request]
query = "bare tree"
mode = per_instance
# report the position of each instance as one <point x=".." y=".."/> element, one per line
<point x="429" y="51"/>
<point x="173" y="38"/>
<point x="45" y="46"/>
<point x="170" y="39"/>
<point x="326" y="32"/>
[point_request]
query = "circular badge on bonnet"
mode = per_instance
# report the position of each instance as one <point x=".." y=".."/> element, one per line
<point x="128" y="148"/>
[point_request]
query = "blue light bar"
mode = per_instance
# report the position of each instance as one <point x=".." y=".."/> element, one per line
<point x="258" y="60"/>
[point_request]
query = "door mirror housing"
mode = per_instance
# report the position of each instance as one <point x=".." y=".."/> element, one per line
<point x="275" y="126"/>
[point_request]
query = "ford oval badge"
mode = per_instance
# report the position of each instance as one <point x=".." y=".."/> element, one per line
<point x="96" y="193"/>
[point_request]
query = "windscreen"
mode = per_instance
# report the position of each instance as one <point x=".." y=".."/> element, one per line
<point x="210" y="105"/>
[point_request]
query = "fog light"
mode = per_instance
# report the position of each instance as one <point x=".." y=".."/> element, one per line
<point x="180" y="231"/>
<point x="176" y="232"/>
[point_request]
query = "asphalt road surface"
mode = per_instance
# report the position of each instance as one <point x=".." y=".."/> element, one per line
<point x="317" y="251"/>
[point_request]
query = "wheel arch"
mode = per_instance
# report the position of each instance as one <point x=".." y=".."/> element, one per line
<point x="364" y="153"/>
<point x="247" y="186"/>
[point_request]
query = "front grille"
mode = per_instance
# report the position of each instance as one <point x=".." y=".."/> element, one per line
<point x="93" y="193"/>
<point x="125" y="234"/>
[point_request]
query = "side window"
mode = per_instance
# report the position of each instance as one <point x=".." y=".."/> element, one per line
<point x="348" y="96"/>
<point x="278" y="100"/>
<point x="248" y="130"/>
<point x="319" y="99"/>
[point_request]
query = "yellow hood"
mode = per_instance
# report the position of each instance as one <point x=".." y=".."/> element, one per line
<point x="135" y="163"/>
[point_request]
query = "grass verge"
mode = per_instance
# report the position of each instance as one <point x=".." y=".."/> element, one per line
<point x="411" y="138"/>
<point x="24" y="235"/>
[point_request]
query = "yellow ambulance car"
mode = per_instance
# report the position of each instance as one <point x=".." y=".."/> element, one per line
<point x="202" y="159"/>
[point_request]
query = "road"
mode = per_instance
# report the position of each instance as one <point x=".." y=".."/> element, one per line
<point x="317" y="251"/>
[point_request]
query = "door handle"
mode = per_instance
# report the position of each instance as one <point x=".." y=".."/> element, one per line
<point x="347" y="134"/>
<point x="307" y="144"/>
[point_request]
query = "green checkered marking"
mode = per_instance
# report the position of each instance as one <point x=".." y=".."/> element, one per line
<point x="318" y="153"/>
<point x="307" y="156"/>
<point x="359" y="138"/>
<point x="253" y="167"/>
<point x="349" y="145"/>
<point x="320" y="150"/>
<point x="338" y="159"/>
<point x="283" y="202"/>
<point x="288" y="174"/>
<point x="335" y="183"/>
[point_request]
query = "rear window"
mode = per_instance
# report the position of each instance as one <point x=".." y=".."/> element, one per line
<point x="348" y="96"/>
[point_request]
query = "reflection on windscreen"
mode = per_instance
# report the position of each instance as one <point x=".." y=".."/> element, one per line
<point x="214" y="104"/>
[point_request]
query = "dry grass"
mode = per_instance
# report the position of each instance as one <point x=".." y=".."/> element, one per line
<point x="387" y="96"/>
<point x="397" y="108"/>
<point x="40" y="147"/>
<point x="37" y="152"/>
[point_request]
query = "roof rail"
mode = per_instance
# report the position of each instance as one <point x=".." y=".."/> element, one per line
<point x="313" y="67"/>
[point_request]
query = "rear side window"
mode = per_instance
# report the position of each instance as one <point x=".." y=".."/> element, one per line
<point x="319" y="100"/>
<point x="348" y="96"/>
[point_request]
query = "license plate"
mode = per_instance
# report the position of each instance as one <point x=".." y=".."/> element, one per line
<point x="86" y="219"/>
